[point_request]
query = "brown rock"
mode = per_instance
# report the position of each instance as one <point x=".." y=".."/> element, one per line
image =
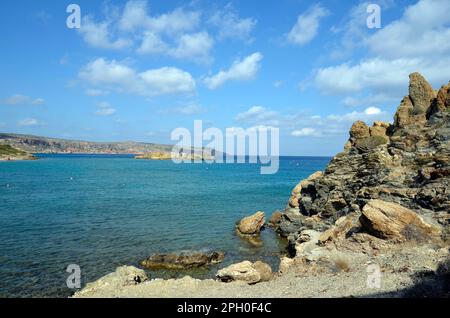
<point x="359" y="130"/>
<point x="420" y="92"/>
<point x="379" y="129"/>
<point x="275" y="218"/>
<point x="442" y="101"/>
<point x="252" y="224"/>
<point x="402" y="117"/>
<point x="245" y="271"/>
<point x="392" y="221"/>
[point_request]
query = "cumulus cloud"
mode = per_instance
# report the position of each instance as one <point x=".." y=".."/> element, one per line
<point x="196" y="46"/>
<point x="418" y="41"/>
<point x="307" y="26"/>
<point x="113" y="75"/>
<point x="241" y="70"/>
<point x="98" y="35"/>
<point x="231" y="26"/>
<point x="19" y="99"/>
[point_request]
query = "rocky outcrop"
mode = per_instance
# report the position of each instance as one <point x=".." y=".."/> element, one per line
<point x="182" y="260"/>
<point x="8" y="153"/>
<point x="388" y="220"/>
<point x="246" y="271"/>
<point x="122" y="277"/>
<point x="251" y="225"/>
<point x="406" y="163"/>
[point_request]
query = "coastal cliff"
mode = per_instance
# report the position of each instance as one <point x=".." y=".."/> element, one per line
<point x="375" y="223"/>
<point x="407" y="162"/>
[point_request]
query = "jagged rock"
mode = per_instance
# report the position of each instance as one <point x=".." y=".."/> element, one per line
<point x="392" y="221"/>
<point x="123" y="276"/>
<point x="252" y="224"/>
<point x="407" y="163"/>
<point x="182" y="260"/>
<point x="246" y="271"/>
<point x="304" y="184"/>
<point x="420" y="92"/>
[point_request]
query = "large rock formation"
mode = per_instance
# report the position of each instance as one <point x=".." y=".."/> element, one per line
<point x="407" y="163"/>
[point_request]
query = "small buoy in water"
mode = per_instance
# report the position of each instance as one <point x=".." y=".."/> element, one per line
<point x="71" y="178"/>
<point x="7" y="185"/>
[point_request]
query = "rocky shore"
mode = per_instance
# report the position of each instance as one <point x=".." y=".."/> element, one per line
<point x="375" y="223"/>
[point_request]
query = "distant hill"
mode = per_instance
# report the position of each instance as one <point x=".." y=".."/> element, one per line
<point x="36" y="144"/>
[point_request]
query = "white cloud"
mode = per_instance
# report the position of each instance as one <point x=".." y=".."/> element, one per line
<point x="95" y="92"/>
<point x="196" y="46"/>
<point x="422" y="31"/>
<point x="29" y="122"/>
<point x="152" y="44"/>
<point x="419" y="41"/>
<point x="307" y="25"/>
<point x="99" y="35"/>
<point x="20" y="99"/>
<point x="231" y="26"/>
<point x="104" y="109"/>
<point x="372" y="111"/>
<point x="259" y="115"/>
<point x="124" y="79"/>
<point x="134" y="16"/>
<point x="240" y="70"/>
<point x="305" y="132"/>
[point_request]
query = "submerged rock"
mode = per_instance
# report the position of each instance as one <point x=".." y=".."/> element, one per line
<point x="183" y="260"/>
<point x="252" y="224"/>
<point x="246" y="271"/>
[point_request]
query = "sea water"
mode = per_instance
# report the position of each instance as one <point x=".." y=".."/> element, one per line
<point x="104" y="211"/>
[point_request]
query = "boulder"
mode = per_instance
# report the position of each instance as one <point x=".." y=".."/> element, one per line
<point x="246" y="271"/>
<point x="420" y="92"/>
<point x="252" y="224"/>
<point x="389" y="220"/>
<point x="182" y="260"/>
<point x="359" y="130"/>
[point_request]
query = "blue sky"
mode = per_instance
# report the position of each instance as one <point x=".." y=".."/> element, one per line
<point x="136" y="70"/>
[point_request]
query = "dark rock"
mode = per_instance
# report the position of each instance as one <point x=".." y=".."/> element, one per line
<point x="182" y="260"/>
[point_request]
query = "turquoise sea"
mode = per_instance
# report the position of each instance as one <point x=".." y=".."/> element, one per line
<point x="103" y="211"/>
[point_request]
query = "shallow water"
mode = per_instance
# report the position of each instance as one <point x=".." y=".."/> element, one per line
<point x="103" y="211"/>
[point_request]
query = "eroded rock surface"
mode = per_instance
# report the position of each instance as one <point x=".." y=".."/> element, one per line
<point x="251" y="225"/>
<point x="182" y="260"/>
<point x="407" y="163"/>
